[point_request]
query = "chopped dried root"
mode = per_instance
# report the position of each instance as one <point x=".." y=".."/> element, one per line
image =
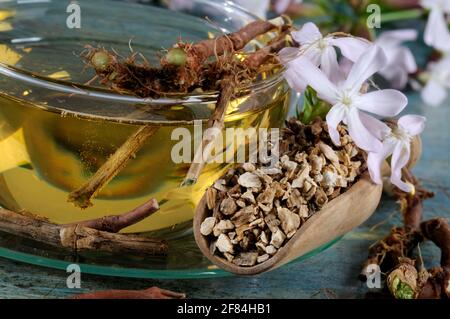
<point x="255" y="209"/>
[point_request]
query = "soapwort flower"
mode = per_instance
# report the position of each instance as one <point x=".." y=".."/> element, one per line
<point x="396" y="142"/>
<point x="349" y="104"/>
<point x="400" y="60"/>
<point x="438" y="74"/>
<point x="436" y="33"/>
<point x="321" y="51"/>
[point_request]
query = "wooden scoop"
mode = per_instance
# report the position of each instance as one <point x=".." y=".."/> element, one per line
<point x="335" y="219"/>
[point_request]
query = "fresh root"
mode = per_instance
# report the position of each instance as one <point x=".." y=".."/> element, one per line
<point x="184" y="67"/>
<point x="438" y="285"/>
<point x="150" y="293"/>
<point x="394" y="254"/>
<point x="97" y="234"/>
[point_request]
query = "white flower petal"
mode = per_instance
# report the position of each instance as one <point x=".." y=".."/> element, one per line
<point x="408" y="60"/>
<point x="396" y="75"/>
<point x="360" y="134"/>
<point x="315" y="78"/>
<point x="329" y="64"/>
<point x="400" y="158"/>
<point x="313" y="54"/>
<point x="309" y="33"/>
<point x="295" y="79"/>
<point x="413" y="124"/>
<point x="396" y="37"/>
<point x="334" y="116"/>
<point x="387" y="102"/>
<point x="288" y="54"/>
<point x="378" y="129"/>
<point x="436" y="33"/>
<point x="374" y="161"/>
<point x="433" y="93"/>
<point x="371" y="61"/>
<point x="351" y="47"/>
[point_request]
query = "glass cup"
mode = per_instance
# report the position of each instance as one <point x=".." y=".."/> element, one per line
<point x="56" y="132"/>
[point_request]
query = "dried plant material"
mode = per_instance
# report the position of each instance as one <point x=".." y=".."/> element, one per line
<point x="289" y="221"/>
<point x="249" y="180"/>
<point x="262" y="258"/>
<point x="246" y="259"/>
<point x="329" y="153"/>
<point x="82" y="196"/>
<point x="248" y="195"/>
<point x="271" y="250"/>
<point x="260" y="207"/>
<point x="220" y="185"/>
<point x="224" y="244"/>
<point x="222" y="227"/>
<point x="278" y="238"/>
<point x="248" y="167"/>
<point x="207" y="226"/>
<point x="228" y="206"/>
<point x="211" y="194"/>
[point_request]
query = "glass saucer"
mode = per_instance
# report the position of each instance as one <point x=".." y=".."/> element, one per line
<point x="185" y="261"/>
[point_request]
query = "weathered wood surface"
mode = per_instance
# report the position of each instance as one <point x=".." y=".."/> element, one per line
<point x="330" y="274"/>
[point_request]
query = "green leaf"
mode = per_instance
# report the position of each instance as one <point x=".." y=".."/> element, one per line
<point x="313" y="107"/>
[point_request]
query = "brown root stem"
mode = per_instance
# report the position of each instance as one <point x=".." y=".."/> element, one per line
<point x="82" y="196"/>
<point x="150" y="293"/>
<point x="216" y="122"/>
<point x="78" y="237"/>
<point x="115" y="223"/>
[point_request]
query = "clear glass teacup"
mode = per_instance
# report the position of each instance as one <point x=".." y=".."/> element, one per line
<point x="55" y="132"/>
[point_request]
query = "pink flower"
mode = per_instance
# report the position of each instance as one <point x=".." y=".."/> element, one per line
<point x="401" y="61"/>
<point x="435" y="91"/>
<point x="396" y="142"/>
<point x="348" y="103"/>
<point x="436" y="33"/>
<point x="321" y="50"/>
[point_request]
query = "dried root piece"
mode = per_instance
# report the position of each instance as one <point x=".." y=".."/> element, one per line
<point x="82" y="196"/>
<point x="97" y="234"/>
<point x="216" y="122"/>
<point x="256" y="209"/>
<point x="115" y="223"/>
<point x="150" y="293"/>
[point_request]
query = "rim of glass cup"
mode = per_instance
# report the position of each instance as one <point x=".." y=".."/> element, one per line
<point x="72" y="88"/>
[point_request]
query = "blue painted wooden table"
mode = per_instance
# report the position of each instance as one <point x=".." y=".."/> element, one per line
<point x="330" y="274"/>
